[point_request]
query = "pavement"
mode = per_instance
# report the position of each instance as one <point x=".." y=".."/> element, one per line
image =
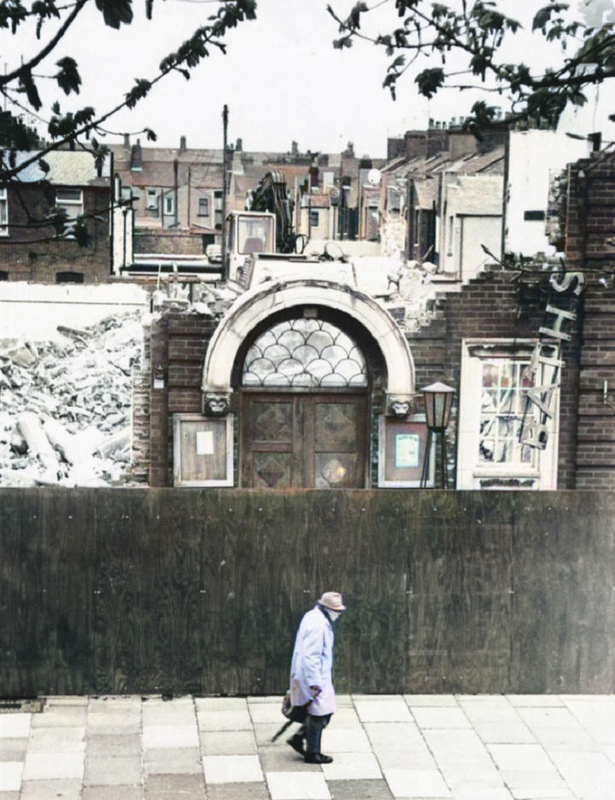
<point x="442" y="747"/>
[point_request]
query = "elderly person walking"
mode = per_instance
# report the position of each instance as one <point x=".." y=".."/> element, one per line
<point x="311" y="684"/>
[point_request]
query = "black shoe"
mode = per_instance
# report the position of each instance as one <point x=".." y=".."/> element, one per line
<point x="296" y="742"/>
<point x="317" y="758"/>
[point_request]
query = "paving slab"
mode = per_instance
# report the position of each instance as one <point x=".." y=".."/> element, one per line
<point x="359" y="790"/>
<point x="60" y="716"/>
<point x="232" y="769"/>
<point x="14" y="726"/>
<point x="236" y="791"/>
<point x="120" y="744"/>
<point x="352" y="766"/>
<point x="389" y="709"/>
<point x="13" y="749"/>
<point x="113" y="793"/>
<point x="504" y="732"/>
<point x="433" y="717"/>
<point x="265" y="712"/>
<point x="406" y="747"/>
<point x="69" y="739"/>
<point x="297" y="786"/>
<point x="113" y="770"/>
<point x="179" y="761"/>
<point x="175" y="787"/>
<point x="169" y="736"/>
<point x="10" y="776"/>
<point x="278" y="760"/>
<point x="591" y="775"/>
<point x="228" y="743"/>
<point x="430" y="700"/>
<point x="413" y="783"/>
<point x="232" y="720"/>
<point x="53" y="766"/>
<point x="51" y="790"/>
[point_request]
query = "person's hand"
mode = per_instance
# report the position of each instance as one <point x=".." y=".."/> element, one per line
<point x="316" y="690"/>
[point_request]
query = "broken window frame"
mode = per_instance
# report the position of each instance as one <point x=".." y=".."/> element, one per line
<point x="474" y="473"/>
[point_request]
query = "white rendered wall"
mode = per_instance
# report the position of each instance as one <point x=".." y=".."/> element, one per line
<point x="534" y="156"/>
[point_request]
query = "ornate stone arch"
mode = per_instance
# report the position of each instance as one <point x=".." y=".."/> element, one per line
<point x="257" y="305"/>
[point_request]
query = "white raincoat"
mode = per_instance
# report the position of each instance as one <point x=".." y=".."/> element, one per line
<point x="312" y="664"/>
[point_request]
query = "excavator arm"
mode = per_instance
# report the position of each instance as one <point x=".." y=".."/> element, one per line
<point x="272" y="195"/>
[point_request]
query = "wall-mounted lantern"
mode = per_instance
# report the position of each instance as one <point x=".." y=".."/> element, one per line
<point x="438" y="403"/>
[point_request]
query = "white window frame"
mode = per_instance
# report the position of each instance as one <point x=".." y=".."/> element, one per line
<point x="471" y="474"/>
<point x="168" y="204"/>
<point x="74" y="207"/>
<point x="4" y="212"/>
<point x="152" y="200"/>
<point x="206" y="202"/>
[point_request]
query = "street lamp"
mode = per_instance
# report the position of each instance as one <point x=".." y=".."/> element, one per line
<point x="438" y="403"/>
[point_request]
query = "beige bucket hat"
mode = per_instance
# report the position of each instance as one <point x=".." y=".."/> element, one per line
<point x="332" y="601"/>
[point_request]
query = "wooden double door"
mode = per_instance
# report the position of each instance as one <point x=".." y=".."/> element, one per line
<point x="304" y="440"/>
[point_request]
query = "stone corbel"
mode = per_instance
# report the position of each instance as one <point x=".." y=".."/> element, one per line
<point x="216" y="404"/>
<point x="400" y="405"/>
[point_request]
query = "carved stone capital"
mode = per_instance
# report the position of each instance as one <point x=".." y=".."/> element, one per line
<point x="216" y="404"/>
<point x="400" y="405"/>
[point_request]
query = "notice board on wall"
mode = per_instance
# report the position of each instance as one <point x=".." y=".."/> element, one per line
<point x="402" y="452"/>
<point x="202" y="450"/>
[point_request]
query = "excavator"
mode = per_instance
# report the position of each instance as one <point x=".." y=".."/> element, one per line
<point x="262" y="241"/>
<point x="272" y="195"/>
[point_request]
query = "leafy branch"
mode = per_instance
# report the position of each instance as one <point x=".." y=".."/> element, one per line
<point x="68" y="129"/>
<point x="477" y="30"/>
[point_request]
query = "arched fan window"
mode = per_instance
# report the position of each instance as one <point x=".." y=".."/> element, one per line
<point x="306" y="354"/>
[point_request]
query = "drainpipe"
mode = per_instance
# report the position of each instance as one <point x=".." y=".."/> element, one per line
<point x="176" y="191"/>
<point x="505" y="195"/>
<point x="223" y="229"/>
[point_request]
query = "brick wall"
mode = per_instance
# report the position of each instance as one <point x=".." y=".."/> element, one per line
<point x="492" y="306"/>
<point x="495" y="306"/>
<point x="178" y="347"/>
<point x="142" y="380"/>
<point x="590" y="228"/>
<point x="29" y="253"/>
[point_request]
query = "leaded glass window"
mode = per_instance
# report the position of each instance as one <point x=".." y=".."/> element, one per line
<point x="306" y="354"/>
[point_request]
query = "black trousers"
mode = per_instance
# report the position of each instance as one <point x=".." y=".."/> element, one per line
<point x="312" y="730"/>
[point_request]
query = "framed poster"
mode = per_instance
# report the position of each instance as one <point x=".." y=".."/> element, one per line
<point x="202" y="450"/>
<point x="402" y="446"/>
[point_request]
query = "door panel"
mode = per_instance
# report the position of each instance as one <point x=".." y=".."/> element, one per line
<point x="304" y="441"/>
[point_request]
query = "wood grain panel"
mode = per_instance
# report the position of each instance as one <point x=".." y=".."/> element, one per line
<point x="201" y="591"/>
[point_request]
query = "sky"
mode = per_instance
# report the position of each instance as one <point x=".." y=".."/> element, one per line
<point x="281" y="78"/>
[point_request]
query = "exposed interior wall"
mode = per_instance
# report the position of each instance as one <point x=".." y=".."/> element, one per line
<point x="201" y="591"/>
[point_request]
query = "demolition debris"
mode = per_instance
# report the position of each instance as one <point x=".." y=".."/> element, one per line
<point x="66" y="405"/>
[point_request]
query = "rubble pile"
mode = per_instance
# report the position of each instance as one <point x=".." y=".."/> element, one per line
<point x="65" y="405"/>
<point x="411" y="296"/>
